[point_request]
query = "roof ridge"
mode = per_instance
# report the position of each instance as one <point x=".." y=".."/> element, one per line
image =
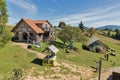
<point x="28" y="19"/>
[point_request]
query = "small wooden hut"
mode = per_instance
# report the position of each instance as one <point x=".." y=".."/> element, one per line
<point x="115" y="76"/>
<point x="96" y="45"/>
<point x="51" y="52"/>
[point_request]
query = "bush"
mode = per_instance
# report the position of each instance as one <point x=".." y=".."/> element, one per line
<point x="29" y="46"/>
<point x="17" y="74"/>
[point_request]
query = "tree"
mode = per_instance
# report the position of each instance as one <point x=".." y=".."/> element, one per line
<point x="62" y="24"/>
<point x="106" y="29"/>
<point x="108" y="32"/>
<point x="81" y="26"/>
<point x="70" y="34"/>
<point x="3" y="21"/>
<point x="117" y="35"/>
<point x="116" y="30"/>
<point x="91" y="31"/>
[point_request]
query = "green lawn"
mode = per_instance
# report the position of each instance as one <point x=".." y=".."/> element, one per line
<point x="13" y="57"/>
<point x="106" y="32"/>
<point x="113" y="44"/>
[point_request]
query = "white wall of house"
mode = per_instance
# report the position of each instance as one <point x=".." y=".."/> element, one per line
<point x="46" y="26"/>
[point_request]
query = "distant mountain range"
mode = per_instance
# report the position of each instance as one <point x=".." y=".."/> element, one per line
<point x="113" y="27"/>
<point x="85" y="27"/>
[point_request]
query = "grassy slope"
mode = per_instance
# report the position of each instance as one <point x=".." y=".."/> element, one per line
<point x="113" y="44"/>
<point x="106" y="32"/>
<point x="15" y="57"/>
<point x="86" y="58"/>
<point x="12" y="57"/>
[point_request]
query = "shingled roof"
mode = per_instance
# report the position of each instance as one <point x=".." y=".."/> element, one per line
<point x="32" y="24"/>
<point x="92" y="40"/>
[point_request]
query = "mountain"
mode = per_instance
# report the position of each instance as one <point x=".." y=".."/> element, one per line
<point x="85" y="27"/>
<point x="113" y="27"/>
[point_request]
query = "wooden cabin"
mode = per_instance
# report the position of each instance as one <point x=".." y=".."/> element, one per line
<point x="27" y="30"/>
<point x="96" y="45"/>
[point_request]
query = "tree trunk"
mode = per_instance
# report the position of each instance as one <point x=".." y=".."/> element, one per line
<point x="71" y="43"/>
<point x="64" y="44"/>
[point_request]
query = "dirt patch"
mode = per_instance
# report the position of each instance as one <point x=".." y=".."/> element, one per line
<point x="62" y="71"/>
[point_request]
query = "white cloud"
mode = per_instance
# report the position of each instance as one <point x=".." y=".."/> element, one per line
<point x="55" y="2"/>
<point x="25" y="5"/>
<point x="94" y="16"/>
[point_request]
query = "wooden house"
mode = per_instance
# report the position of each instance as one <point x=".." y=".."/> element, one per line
<point x="96" y="45"/>
<point x="27" y="30"/>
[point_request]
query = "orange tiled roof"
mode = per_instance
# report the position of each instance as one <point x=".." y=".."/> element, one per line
<point x="32" y="24"/>
<point x="41" y="21"/>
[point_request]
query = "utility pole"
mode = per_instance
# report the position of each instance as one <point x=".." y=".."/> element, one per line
<point x="100" y="65"/>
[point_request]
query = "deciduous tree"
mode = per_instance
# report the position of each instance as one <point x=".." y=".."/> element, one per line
<point x="3" y="21"/>
<point x="91" y="31"/>
<point x="62" y="24"/>
<point x="70" y="34"/>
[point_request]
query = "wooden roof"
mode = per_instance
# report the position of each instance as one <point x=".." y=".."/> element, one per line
<point x="92" y="40"/>
<point x="53" y="49"/>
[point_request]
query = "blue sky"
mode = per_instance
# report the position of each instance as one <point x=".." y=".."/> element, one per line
<point x="93" y="13"/>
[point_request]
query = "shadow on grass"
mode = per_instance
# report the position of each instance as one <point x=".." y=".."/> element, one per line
<point x="95" y="69"/>
<point x="37" y="61"/>
<point x="61" y="45"/>
<point x="75" y="49"/>
<point x="57" y="44"/>
<point x="85" y="48"/>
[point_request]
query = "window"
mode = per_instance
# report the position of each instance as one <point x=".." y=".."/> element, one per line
<point x="16" y="34"/>
<point x="24" y="29"/>
<point x="39" y="34"/>
<point x="31" y="34"/>
<point x="40" y="25"/>
<point x="45" y="25"/>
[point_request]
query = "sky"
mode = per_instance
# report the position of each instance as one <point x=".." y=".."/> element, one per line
<point x="93" y="13"/>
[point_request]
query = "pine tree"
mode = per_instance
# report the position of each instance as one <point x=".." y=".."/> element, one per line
<point x="108" y="32"/>
<point x="117" y="35"/>
<point x="3" y="21"/>
<point x="81" y="26"/>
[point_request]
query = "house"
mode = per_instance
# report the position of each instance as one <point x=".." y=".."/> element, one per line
<point x="27" y="30"/>
<point x="95" y="45"/>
